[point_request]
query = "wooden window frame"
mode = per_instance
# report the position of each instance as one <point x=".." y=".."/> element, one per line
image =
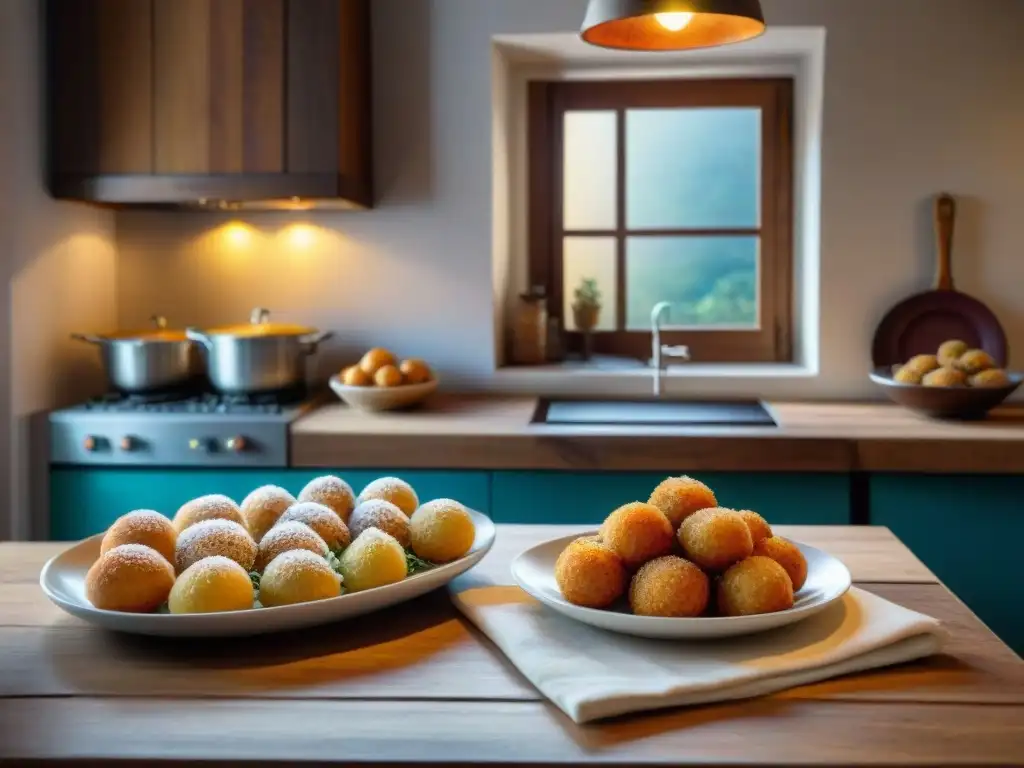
<point x="549" y="101"/>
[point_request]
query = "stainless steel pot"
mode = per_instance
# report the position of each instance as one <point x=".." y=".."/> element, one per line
<point x="258" y="357"/>
<point x="144" y="361"/>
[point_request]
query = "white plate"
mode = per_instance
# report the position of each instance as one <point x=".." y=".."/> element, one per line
<point x="382" y="398"/>
<point x="827" y="581"/>
<point x="63" y="581"/>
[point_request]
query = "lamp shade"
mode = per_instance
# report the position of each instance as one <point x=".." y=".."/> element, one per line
<point x="671" y="25"/>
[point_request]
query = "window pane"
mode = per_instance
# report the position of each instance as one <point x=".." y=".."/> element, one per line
<point x="710" y="281"/>
<point x="693" y="168"/>
<point x="590" y="170"/>
<point x="590" y="257"/>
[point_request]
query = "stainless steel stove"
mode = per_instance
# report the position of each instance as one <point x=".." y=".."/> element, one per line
<point x="177" y="429"/>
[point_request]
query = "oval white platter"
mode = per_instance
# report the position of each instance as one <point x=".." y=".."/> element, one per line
<point x="63" y="581"/>
<point x="827" y="581"/>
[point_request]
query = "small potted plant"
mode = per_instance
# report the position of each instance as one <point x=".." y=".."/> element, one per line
<point x="586" y="309"/>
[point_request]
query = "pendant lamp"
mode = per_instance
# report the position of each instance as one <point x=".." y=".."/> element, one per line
<point x="671" y="25"/>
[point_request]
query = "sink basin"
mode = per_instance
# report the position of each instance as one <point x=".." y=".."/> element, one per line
<point x="654" y="413"/>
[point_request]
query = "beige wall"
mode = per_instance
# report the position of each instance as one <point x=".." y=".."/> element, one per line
<point x="57" y="263"/>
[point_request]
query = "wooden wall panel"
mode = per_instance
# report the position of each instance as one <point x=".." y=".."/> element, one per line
<point x="313" y="68"/>
<point x="181" y="85"/>
<point x="263" y="95"/>
<point x="226" y="50"/>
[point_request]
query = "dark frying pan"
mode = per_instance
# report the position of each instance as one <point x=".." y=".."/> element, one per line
<point x="919" y="324"/>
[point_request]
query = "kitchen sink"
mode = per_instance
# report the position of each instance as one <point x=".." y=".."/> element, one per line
<point x="654" y="413"/>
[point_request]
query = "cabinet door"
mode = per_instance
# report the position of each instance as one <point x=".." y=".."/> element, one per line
<point x="587" y="497"/>
<point x="967" y="530"/>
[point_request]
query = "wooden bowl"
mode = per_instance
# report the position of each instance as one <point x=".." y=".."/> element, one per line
<point x="383" y="398"/>
<point x="945" y="402"/>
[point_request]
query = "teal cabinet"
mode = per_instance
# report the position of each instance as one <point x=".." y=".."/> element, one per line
<point x="586" y="498"/>
<point x="968" y="530"/>
<point x="87" y="501"/>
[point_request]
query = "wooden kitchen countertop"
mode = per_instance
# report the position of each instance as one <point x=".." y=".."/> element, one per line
<point x="415" y="685"/>
<point x="494" y="432"/>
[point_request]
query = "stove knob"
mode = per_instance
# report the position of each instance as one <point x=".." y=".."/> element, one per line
<point x="127" y="443"/>
<point x="236" y="444"/>
<point x="90" y="443"/>
<point x="195" y="444"/>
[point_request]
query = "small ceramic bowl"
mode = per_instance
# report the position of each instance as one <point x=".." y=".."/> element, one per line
<point x="945" y="402"/>
<point x="383" y="398"/>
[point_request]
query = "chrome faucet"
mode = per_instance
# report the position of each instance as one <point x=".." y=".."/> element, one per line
<point x="660" y="351"/>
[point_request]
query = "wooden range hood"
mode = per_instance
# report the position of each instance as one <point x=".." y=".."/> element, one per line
<point x="211" y="103"/>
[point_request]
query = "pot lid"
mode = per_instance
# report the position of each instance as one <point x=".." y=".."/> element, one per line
<point x="159" y="332"/>
<point x="259" y="325"/>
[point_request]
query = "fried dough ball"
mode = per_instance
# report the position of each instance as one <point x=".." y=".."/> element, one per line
<point x="388" y="376"/>
<point x="374" y="559"/>
<point x="284" y="537"/>
<point x="638" y="532"/>
<point x="945" y="377"/>
<point x="908" y="375"/>
<point x="323" y="521"/>
<point x="950" y="351"/>
<point x="759" y="528"/>
<point x="680" y="497"/>
<point x="441" y="531"/>
<point x="415" y="371"/>
<point x="215" y="537"/>
<point x="714" y="539"/>
<point x="788" y="555"/>
<point x="669" y="586"/>
<point x="298" y="576"/>
<point x="590" y="574"/>
<point x="392" y="489"/>
<point x="214" y="506"/>
<point x="142" y="526"/>
<point x="755" y="585"/>
<point x="922" y="364"/>
<point x="132" y="578"/>
<point x="354" y="376"/>
<point x="376" y="359"/>
<point x="377" y="513"/>
<point x="975" y="361"/>
<point x="992" y="378"/>
<point x="333" y="492"/>
<point x="212" y="585"/>
<point x="263" y="508"/>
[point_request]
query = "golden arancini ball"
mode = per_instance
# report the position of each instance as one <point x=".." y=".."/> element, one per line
<point x="975" y="361"/>
<point x="132" y="578"/>
<point x="441" y="531"/>
<point x="392" y="489"/>
<point x="755" y="585"/>
<point x="945" y="377"/>
<point x="714" y="539"/>
<point x="415" y="371"/>
<point x="788" y="555"/>
<point x="214" y="506"/>
<point x="638" y="532"/>
<point x="284" y="537"/>
<point x="215" y="537"/>
<point x="212" y="585"/>
<point x="376" y="359"/>
<point x="263" y="508"/>
<point x="908" y="375"/>
<point x="377" y="513"/>
<point x="388" y="376"/>
<point x="922" y="364"/>
<point x="680" y="497"/>
<point x="333" y="492"/>
<point x="993" y="378"/>
<point x="142" y="526"/>
<point x="328" y="526"/>
<point x="298" y="576"/>
<point x="354" y="376"/>
<point x="950" y="351"/>
<point x="374" y="559"/>
<point x="590" y="574"/>
<point x="669" y="586"/>
<point x="759" y="528"/>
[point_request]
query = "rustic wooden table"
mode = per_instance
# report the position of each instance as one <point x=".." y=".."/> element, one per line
<point x="415" y="684"/>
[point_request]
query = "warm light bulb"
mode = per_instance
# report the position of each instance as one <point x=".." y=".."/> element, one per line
<point x="674" y="22"/>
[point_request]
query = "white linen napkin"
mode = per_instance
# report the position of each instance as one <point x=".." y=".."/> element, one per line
<point x="592" y="674"/>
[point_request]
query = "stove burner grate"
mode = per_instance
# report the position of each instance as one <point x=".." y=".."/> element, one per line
<point x="207" y="402"/>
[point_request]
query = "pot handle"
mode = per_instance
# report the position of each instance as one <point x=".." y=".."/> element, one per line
<point x="194" y="334"/>
<point x="259" y="316"/>
<point x="159" y="322"/>
<point x="88" y="338"/>
<point x="311" y="340"/>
